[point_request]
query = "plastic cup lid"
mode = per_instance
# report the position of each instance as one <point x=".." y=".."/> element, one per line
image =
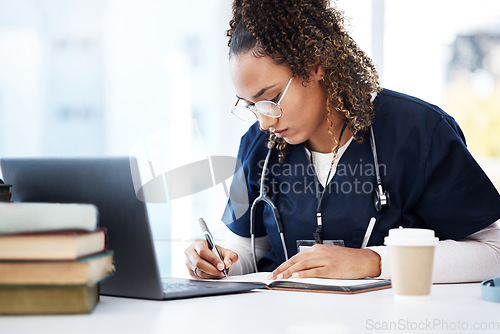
<point x="411" y="237"/>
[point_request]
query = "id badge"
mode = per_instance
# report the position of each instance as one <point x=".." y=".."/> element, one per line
<point x="305" y="244"/>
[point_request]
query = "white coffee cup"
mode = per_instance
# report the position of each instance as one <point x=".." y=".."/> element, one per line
<point x="411" y="254"/>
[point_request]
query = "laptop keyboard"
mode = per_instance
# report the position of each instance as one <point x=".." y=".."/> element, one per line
<point x="174" y="288"/>
<point x="185" y="286"/>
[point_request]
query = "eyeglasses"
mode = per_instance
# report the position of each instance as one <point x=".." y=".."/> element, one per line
<point x="266" y="108"/>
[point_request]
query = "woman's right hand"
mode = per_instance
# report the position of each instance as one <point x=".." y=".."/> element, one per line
<point x="201" y="262"/>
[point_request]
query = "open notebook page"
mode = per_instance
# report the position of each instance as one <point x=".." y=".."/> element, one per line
<point x="262" y="277"/>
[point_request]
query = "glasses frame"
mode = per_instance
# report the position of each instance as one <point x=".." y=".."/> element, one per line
<point x="254" y="108"/>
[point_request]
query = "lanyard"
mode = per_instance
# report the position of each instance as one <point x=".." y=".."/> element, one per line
<point x="318" y="234"/>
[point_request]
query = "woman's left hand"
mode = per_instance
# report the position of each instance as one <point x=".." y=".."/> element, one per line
<point x="330" y="261"/>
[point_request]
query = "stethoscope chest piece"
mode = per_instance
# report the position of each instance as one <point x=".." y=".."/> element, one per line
<point x="381" y="199"/>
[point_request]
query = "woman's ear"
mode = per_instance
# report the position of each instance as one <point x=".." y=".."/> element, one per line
<point x="318" y="72"/>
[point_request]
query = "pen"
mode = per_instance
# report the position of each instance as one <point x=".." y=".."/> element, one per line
<point x="368" y="233"/>
<point x="210" y="241"/>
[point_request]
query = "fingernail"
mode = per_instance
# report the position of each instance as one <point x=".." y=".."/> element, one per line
<point x="229" y="263"/>
<point x="295" y="275"/>
<point x="280" y="276"/>
<point x="220" y="266"/>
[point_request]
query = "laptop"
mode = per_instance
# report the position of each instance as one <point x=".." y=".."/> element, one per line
<point x="107" y="183"/>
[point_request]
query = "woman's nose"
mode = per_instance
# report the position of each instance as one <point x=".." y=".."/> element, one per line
<point x="266" y="122"/>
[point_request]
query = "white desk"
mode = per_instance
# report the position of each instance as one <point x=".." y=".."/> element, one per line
<point x="459" y="307"/>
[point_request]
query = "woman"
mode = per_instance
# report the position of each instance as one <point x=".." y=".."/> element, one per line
<point x="327" y="124"/>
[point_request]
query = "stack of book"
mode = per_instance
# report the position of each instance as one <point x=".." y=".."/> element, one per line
<point x="52" y="257"/>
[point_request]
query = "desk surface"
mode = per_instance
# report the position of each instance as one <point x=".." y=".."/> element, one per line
<point x="452" y="308"/>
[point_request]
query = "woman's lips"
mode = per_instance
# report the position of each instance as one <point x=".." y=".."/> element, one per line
<point x="280" y="133"/>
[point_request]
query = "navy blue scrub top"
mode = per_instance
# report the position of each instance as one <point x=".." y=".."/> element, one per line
<point x="433" y="182"/>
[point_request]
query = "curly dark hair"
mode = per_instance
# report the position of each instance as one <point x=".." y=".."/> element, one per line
<point x="299" y="34"/>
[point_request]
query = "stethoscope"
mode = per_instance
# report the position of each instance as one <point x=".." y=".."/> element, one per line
<point x="381" y="200"/>
<point x="264" y="198"/>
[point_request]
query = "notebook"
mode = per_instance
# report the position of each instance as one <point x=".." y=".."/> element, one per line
<point x="322" y="285"/>
<point x="107" y="183"/>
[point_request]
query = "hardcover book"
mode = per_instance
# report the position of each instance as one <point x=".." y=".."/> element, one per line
<point x="48" y="299"/>
<point x="42" y="217"/>
<point x="91" y="269"/>
<point x="52" y="245"/>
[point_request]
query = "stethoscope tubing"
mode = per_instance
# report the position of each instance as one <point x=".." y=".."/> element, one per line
<point x="375" y="156"/>
<point x="264" y="198"/>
